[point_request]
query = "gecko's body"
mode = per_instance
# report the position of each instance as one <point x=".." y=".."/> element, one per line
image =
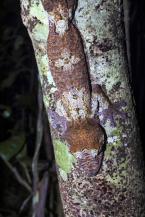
<point x="69" y="68"/>
<point x="68" y="48"/>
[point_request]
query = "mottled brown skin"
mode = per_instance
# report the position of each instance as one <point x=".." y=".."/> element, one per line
<point x="86" y="134"/>
<point x="78" y="76"/>
<point x="80" y="134"/>
<point x="50" y="5"/>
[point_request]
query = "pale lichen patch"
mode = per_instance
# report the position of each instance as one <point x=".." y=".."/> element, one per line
<point x="37" y="10"/>
<point x="40" y="32"/>
<point x="64" y="159"/>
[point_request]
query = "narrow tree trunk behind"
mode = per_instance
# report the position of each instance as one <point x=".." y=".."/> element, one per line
<point x="117" y="188"/>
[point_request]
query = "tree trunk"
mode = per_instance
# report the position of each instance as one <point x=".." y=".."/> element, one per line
<point x="81" y="56"/>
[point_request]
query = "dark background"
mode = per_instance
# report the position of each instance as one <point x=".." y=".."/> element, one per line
<point x="18" y="96"/>
<point x="137" y="52"/>
<point x="18" y="120"/>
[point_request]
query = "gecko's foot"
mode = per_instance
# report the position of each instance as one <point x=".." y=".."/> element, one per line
<point x="111" y="112"/>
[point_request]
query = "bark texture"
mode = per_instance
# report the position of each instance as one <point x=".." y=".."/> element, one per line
<point x="84" y="76"/>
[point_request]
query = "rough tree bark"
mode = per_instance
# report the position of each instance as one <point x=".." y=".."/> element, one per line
<point x="81" y="56"/>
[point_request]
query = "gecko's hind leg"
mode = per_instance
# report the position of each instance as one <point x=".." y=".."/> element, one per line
<point x="108" y="109"/>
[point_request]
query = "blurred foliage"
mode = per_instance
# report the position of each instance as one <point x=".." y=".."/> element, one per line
<point x="18" y="121"/>
<point x="18" y="82"/>
<point x="12" y="146"/>
<point x="18" y="110"/>
<point x="137" y="53"/>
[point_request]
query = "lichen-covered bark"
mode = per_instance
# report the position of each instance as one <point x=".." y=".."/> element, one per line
<point x="83" y="73"/>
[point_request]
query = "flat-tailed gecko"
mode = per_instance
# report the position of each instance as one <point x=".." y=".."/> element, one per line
<point x="75" y="101"/>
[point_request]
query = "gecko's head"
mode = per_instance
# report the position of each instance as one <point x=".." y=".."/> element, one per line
<point x="58" y="14"/>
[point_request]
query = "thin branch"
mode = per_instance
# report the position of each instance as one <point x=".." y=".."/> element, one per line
<point x="37" y="149"/>
<point x="43" y="189"/>
<point x="26" y="172"/>
<point x="47" y="139"/>
<point x="17" y="175"/>
<point x="25" y="203"/>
